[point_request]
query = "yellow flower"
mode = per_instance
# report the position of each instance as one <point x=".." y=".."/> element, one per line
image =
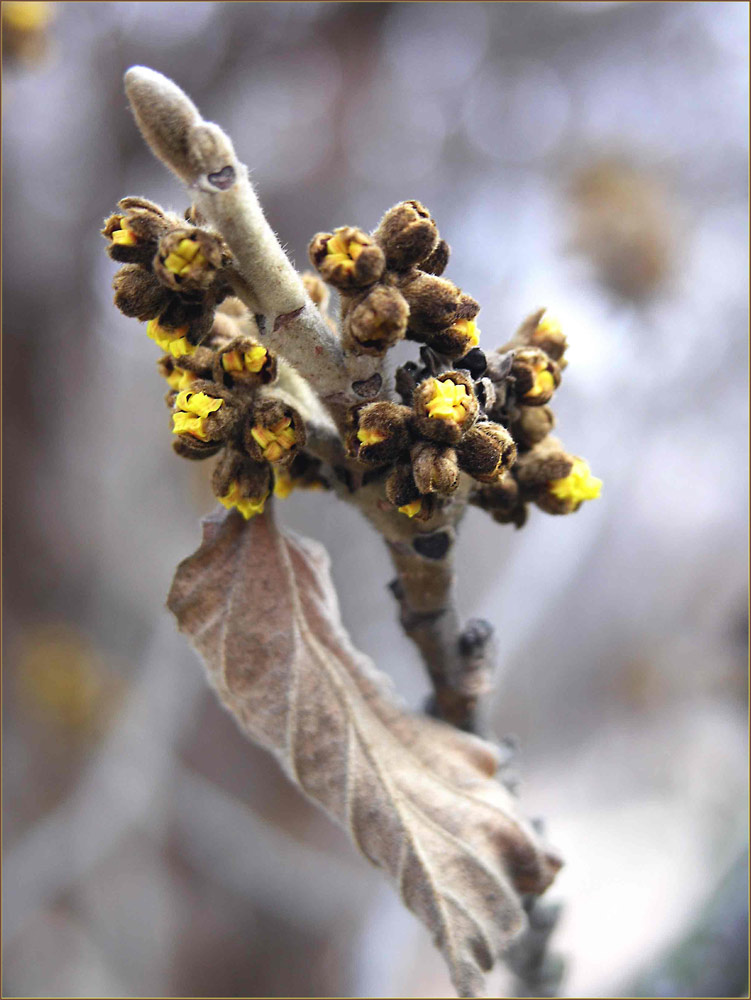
<point x="544" y="383"/>
<point x="450" y="401"/>
<point x="192" y="409"/>
<point x="124" y="236"/>
<point x="372" y="435"/>
<point x="274" y="441"/>
<point x="410" y="509"/>
<point x="338" y="251"/>
<point x="548" y="325"/>
<point x="247" y="507"/>
<point x="468" y="328"/>
<point x="174" y="341"/>
<point x="578" y="485"/>
<point x="180" y="379"/>
<point x="188" y="255"/>
<point x="249" y="361"/>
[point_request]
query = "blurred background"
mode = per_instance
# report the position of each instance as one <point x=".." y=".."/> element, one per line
<point x="588" y="157"/>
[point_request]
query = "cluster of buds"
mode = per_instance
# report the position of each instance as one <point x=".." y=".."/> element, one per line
<point x="444" y="432"/>
<point x="174" y="273"/>
<point x="221" y="383"/>
<point x="462" y="414"/>
<point x="390" y="285"/>
<point x="524" y="374"/>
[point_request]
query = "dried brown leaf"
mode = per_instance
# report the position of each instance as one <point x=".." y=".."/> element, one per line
<point x="416" y="796"/>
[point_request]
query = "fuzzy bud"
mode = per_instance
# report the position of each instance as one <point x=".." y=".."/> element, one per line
<point x="402" y="493"/>
<point x="241" y="483"/>
<point x="138" y="293"/>
<point x="204" y="412"/>
<point x="376" y="322"/>
<point x="274" y="433"/>
<point x="347" y="258"/>
<point x="535" y="375"/>
<point x="445" y="407"/>
<point x="187" y="260"/>
<point x="407" y="235"/>
<point x="434" y="303"/>
<point x="542" y="331"/>
<point x="438" y="260"/>
<point x="434" y="468"/>
<point x="565" y="494"/>
<point x="243" y="362"/>
<point x="135" y="230"/>
<point x="503" y="500"/>
<point x="532" y="426"/>
<point x="549" y="337"/>
<point x="486" y="452"/>
<point x="456" y="340"/>
<point x="380" y="432"/>
<point x="546" y="462"/>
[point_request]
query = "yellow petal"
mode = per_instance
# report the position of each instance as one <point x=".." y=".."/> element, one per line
<point x="410" y="509"/>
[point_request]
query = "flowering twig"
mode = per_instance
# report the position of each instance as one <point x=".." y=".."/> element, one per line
<point x="261" y="375"/>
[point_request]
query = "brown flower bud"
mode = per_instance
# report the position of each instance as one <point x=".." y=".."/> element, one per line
<point x="535" y="375"/>
<point x="434" y="468"/>
<point x="274" y="433"/>
<point x="532" y="426"/>
<point x="134" y="230"/>
<point x="456" y="340"/>
<point x="407" y="235"/>
<point x="486" y="452"/>
<point x="403" y="494"/>
<point x="503" y="500"/>
<point x="138" y="293"/>
<point x="188" y="259"/>
<point x="542" y="331"/>
<point x="401" y="488"/>
<point x="557" y="482"/>
<point x="191" y="448"/>
<point x="434" y="303"/>
<point x="376" y="322"/>
<point x="546" y="462"/>
<point x="436" y="263"/>
<point x="549" y="337"/>
<point x="445" y="407"/>
<point x="238" y="482"/>
<point x="347" y="258"/>
<point x="380" y="432"/>
<point x="243" y="362"/>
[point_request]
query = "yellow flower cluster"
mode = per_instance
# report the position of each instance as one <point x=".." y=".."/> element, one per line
<point x="180" y="379"/>
<point x="173" y="341"/>
<point x="247" y="507"/>
<point x="248" y="361"/>
<point x="191" y="411"/>
<point x="578" y="485"/>
<point x="449" y="401"/>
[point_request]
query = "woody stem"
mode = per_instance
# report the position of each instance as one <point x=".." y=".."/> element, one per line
<point x="458" y="660"/>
